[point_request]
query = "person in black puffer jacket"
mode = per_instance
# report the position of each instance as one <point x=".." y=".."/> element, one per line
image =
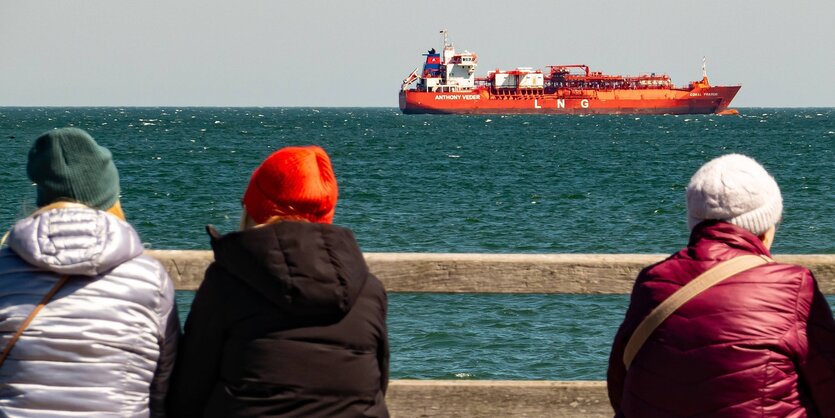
<point x="288" y="321"/>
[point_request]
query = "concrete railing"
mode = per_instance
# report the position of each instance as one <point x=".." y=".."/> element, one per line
<point x="498" y="398"/>
<point x="496" y="273"/>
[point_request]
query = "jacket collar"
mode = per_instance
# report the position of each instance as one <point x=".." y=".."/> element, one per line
<point x="721" y="240"/>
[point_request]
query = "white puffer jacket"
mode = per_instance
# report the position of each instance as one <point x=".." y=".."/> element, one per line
<point x="104" y="346"/>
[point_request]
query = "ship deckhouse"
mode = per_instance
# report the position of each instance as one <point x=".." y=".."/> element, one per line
<point x="460" y="70"/>
<point x="445" y="72"/>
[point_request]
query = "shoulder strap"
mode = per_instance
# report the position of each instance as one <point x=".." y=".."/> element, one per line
<point x="46" y="298"/>
<point x="696" y="286"/>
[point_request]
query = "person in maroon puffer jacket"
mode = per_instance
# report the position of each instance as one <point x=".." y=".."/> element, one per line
<point x="761" y="343"/>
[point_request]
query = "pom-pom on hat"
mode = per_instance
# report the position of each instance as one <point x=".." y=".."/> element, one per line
<point x="293" y="182"/>
<point x="68" y="165"/>
<point x="735" y="189"/>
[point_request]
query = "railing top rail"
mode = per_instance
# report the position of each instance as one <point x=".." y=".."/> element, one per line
<point x="497" y="273"/>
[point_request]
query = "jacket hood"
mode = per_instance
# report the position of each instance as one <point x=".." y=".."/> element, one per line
<point x="75" y="241"/>
<point x="306" y="269"/>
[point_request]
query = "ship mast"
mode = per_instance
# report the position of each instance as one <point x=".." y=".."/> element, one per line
<point x="445" y="33"/>
<point x="449" y="50"/>
<point x="704" y="72"/>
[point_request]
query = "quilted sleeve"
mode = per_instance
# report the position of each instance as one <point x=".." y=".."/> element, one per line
<point x="816" y="353"/>
<point x="198" y="359"/>
<point x="616" y="374"/>
<point x="169" y="336"/>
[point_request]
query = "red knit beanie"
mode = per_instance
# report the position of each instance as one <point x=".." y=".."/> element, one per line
<point x="293" y="181"/>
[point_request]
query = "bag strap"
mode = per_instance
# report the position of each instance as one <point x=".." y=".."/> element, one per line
<point x="46" y="298"/>
<point x="696" y="286"/>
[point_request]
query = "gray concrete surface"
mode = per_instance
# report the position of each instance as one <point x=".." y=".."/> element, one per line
<point x="497" y="398"/>
<point x="496" y="273"/>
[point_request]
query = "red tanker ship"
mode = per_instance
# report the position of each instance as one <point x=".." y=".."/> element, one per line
<point x="447" y="84"/>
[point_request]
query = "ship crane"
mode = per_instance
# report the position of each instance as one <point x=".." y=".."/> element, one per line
<point x="410" y="78"/>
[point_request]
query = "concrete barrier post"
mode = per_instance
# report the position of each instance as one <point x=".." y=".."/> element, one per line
<point x="497" y="398"/>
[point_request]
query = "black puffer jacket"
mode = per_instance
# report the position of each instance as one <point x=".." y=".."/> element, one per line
<point x="287" y="323"/>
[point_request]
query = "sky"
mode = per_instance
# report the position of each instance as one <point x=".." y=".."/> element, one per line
<point x="356" y="53"/>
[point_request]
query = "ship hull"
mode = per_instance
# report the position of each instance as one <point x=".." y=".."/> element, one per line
<point x="700" y="100"/>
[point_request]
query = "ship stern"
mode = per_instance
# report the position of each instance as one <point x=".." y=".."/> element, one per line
<point x="402" y="98"/>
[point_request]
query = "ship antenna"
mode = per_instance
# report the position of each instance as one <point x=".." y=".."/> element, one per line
<point x="446" y="38"/>
<point x="704" y="67"/>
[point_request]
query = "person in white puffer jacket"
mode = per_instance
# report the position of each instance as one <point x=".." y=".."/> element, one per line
<point x="104" y="344"/>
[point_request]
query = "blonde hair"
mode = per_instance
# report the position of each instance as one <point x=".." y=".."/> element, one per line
<point x="248" y="223"/>
<point x="115" y="210"/>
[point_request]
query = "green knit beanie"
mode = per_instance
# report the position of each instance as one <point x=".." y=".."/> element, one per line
<point x="68" y="165"/>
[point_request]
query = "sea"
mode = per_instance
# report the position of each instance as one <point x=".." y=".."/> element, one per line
<point x="456" y="184"/>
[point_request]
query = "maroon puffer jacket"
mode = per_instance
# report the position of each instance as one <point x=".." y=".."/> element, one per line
<point x="759" y="344"/>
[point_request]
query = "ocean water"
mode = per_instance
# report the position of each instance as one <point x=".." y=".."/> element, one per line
<point x="492" y="184"/>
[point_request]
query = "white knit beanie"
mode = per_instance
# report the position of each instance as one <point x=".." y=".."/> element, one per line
<point x="736" y="189"/>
